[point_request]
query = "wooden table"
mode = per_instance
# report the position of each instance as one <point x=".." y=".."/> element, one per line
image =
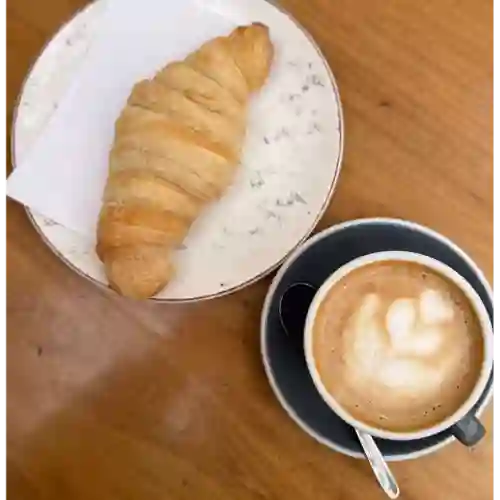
<point x="110" y="399"/>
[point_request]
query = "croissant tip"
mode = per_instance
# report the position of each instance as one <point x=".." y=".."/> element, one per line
<point x="258" y="24"/>
<point x="135" y="292"/>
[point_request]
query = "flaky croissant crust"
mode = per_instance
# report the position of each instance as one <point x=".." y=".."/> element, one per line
<point x="176" y="148"/>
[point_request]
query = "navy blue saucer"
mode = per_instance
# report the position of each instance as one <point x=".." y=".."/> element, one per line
<point x="313" y="263"/>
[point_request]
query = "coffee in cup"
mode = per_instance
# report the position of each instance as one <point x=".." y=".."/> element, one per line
<point x="398" y="344"/>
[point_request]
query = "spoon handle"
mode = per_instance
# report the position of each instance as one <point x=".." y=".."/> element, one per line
<point x="379" y="466"/>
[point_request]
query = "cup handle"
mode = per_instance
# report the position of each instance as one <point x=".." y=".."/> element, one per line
<point x="469" y="431"/>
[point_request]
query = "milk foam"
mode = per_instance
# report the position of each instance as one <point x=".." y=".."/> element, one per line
<point x="396" y="344"/>
<point x="435" y="308"/>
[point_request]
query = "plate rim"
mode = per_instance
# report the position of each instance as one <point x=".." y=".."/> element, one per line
<point x="296" y="253"/>
<point x="243" y="284"/>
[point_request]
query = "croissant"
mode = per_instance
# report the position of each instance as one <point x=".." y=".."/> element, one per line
<point x="176" y="148"/>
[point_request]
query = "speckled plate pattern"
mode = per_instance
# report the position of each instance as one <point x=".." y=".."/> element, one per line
<point x="288" y="173"/>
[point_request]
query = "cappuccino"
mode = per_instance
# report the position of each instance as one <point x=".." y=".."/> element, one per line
<point x="397" y="345"/>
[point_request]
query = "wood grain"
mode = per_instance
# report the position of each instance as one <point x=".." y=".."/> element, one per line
<point x="110" y="399"/>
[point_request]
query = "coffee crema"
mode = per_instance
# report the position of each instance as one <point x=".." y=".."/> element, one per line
<point x="397" y="345"/>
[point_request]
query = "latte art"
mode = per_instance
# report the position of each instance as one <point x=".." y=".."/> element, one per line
<point x="397" y="345"/>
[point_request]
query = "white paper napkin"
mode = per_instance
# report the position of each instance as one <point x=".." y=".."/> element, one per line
<point x="63" y="176"/>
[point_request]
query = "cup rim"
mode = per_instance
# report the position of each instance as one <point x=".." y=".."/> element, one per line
<point x="447" y="272"/>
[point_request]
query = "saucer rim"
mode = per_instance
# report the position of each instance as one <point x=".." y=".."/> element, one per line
<point x="296" y="254"/>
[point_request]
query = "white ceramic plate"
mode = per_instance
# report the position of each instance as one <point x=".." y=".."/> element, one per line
<point x="289" y="169"/>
